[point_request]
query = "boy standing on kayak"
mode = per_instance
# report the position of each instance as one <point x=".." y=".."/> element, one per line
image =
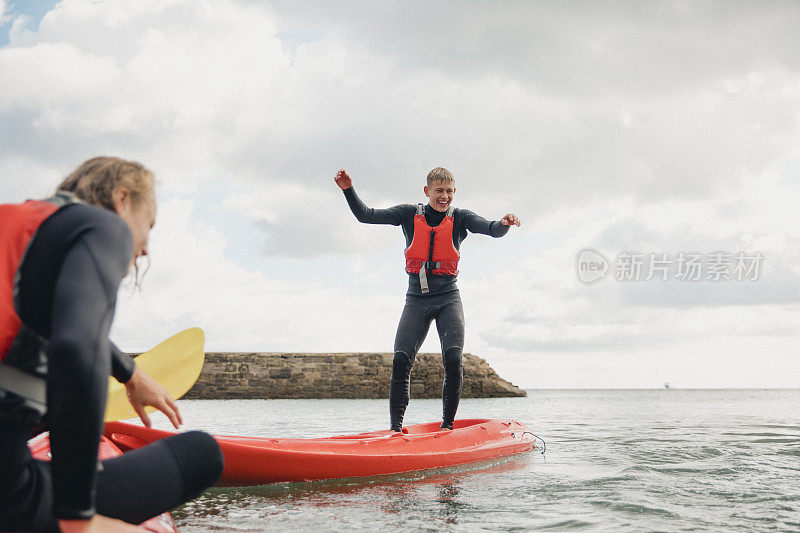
<point x="434" y="233"/>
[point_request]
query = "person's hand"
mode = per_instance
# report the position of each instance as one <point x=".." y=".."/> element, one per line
<point x="511" y="220"/>
<point x="97" y="524"/>
<point x="143" y="391"/>
<point x="343" y="180"/>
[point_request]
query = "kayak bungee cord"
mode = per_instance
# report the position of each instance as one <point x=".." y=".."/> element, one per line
<point x="537" y="437"/>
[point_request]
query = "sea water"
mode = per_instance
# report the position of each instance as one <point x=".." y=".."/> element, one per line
<point x="616" y="460"/>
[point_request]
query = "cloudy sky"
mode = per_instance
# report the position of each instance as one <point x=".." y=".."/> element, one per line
<point x="638" y="130"/>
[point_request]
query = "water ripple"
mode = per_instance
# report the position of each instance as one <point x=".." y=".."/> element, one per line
<point x="624" y="461"/>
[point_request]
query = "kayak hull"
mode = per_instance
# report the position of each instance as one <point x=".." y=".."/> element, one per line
<point x="40" y="449"/>
<point x="259" y="461"/>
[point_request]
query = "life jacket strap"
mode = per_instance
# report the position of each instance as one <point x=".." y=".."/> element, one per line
<point x="423" y="279"/>
<point x="24" y="368"/>
<point x="62" y="198"/>
<point x="32" y="388"/>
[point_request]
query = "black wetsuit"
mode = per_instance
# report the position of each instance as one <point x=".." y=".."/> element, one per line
<point x="67" y="295"/>
<point x="442" y="303"/>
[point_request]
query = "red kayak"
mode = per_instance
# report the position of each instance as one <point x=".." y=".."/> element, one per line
<point x="258" y="461"/>
<point x="40" y="449"/>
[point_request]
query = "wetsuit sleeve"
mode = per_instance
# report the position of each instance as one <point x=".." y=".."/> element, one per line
<point x="368" y="215"/>
<point x="80" y="360"/>
<point x="122" y="364"/>
<point x="478" y="224"/>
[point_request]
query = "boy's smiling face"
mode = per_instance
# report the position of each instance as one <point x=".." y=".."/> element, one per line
<point x="440" y="194"/>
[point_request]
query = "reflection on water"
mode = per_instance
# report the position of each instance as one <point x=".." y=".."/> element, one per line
<point x="448" y="497"/>
<point x="436" y="493"/>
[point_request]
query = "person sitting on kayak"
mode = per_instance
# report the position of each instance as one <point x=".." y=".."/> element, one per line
<point x="61" y="264"/>
<point x="434" y="233"/>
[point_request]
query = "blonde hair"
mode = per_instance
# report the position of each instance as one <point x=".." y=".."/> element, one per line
<point x="440" y="174"/>
<point x="96" y="179"/>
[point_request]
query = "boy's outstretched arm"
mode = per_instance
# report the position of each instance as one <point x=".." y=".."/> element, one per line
<point x="368" y="215"/>
<point x="496" y="228"/>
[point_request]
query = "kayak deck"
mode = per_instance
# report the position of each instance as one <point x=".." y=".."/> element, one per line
<point x="259" y="460"/>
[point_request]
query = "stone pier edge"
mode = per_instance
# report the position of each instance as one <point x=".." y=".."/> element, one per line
<point x="268" y="375"/>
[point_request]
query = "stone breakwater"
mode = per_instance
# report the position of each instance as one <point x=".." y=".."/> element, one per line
<point x="229" y="375"/>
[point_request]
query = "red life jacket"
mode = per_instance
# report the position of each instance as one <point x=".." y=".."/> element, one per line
<point x="18" y="225"/>
<point x="432" y="250"/>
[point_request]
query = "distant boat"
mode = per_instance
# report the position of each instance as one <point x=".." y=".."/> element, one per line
<point x="666" y="385"/>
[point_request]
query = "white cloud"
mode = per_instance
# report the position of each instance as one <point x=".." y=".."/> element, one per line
<point x="46" y="78"/>
<point x="26" y="177"/>
<point x="191" y="283"/>
<point x="622" y="127"/>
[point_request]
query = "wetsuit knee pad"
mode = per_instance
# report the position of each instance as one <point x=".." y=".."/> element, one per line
<point x="200" y="459"/>
<point x="452" y="360"/>
<point x="402" y="363"/>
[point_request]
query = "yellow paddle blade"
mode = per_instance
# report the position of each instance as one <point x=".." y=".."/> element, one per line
<point x="175" y="363"/>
